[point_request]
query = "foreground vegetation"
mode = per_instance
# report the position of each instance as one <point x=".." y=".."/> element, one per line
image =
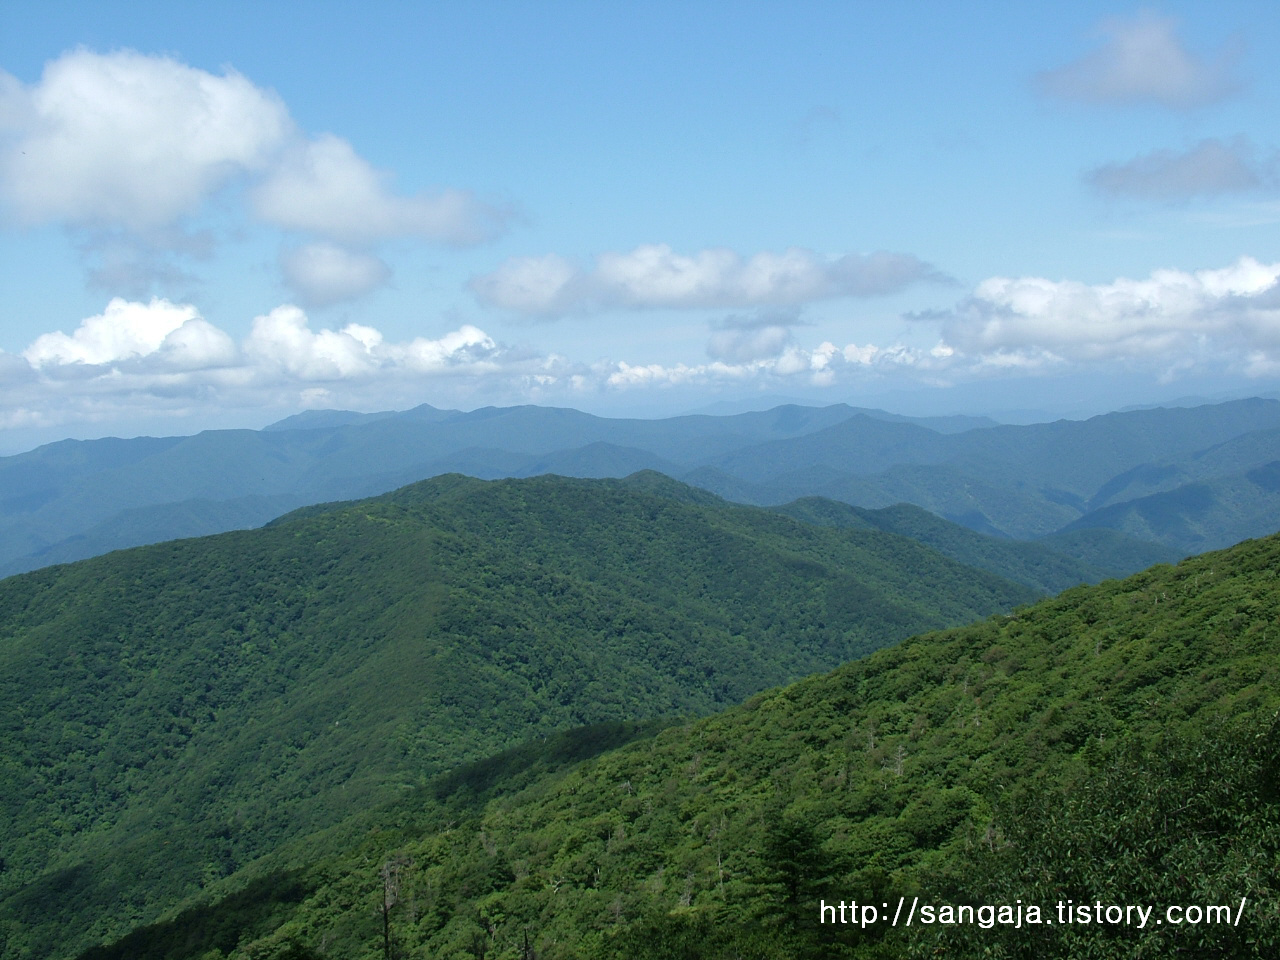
<point x="1115" y="743"/>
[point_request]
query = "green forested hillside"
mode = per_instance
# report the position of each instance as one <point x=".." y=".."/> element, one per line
<point x="1116" y="743"/>
<point x="1034" y="564"/>
<point x="170" y="713"/>
<point x="1197" y="516"/>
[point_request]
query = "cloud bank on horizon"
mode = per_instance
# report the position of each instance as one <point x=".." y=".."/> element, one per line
<point x="165" y="355"/>
<point x="151" y="168"/>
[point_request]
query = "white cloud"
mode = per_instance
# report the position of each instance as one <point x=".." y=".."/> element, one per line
<point x="1209" y="168"/>
<point x="131" y="140"/>
<point x="161" y="356"/>
<point x="325" y="187"/>
<point x="468" y="347"/>
<point x="15" y="370"/>
<point x="739" y="345"/>
<point x="197" y="345"/>
<point x="127" y="264"/>
<point x="324" y="274"/>
<point x="129" y="331"/>
<point x="1143" y="61"/>
<point x="127" y="148"/>
<point x="282" y="345"/>
<point x="282" y="340"/>
<point x="656" y="374"/>
<point x="146" y="359"/>
<point x="546" y="285"/>
<point x="821" y="366"/>
<point x="1206" y="316"/>
<point x="655" y="276"/>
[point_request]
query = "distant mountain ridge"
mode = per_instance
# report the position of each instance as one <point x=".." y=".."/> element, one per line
<point x="1208" y="465"/>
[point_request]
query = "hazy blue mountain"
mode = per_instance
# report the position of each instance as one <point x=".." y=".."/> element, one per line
<point x="325" y="419"/>
<point x="1018" y="481"/>
<point x="61" y="491"/>
<point x="1237" y="455"/>
<point x="76" y="499"/>
<point x="1198" y="516"/>
<point x="168" y="521"/>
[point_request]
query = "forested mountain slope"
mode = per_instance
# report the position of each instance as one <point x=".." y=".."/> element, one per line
<point x="1115" y="743"/>
<point x="170" y="713"/>
<point x="1198" y="515"/>
<point x="1034" y="564"/>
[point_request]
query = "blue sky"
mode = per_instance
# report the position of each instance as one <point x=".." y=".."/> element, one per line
<point x="218" y="214"/>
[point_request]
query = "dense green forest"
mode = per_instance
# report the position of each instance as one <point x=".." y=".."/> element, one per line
<point x="172" y="713"/>
<point x="1117" y="743"/>
<point x="1095" y="556"/>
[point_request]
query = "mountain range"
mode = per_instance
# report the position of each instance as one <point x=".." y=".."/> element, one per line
<point x="505" y="712"/>
<point x="1178" y="480"/>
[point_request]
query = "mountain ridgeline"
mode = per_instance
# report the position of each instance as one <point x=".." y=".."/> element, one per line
<point x="1116" y="492"/>
<point x="173" y="713"/>
<point x="1116" y="744"/>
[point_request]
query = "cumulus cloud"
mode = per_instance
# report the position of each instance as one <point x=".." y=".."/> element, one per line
<point x="1173" y="316"/>
<point x="655" y="276"/>
<point x="127" y="139"/>
<point x="125" y="149"/>
<point x="743" y="338"/>
<point x="325" y="187"/>
<point x="762" y="347"/>
<point x="742" y="345"/>
<point x="1142" y="61"/>
<point x="820" y="366"/>
<point x="324" y="274"/>
<point x="548" y="285"/>
<point x="283" y="341"/>
<point x="1209" y="168"/>
<point x="144" y="339"/>
<point x="130" y="331"/>
<point x="151" y="358"/>
<point x="197" y="345"/>
<point x="159" y="355"/>
<point x="148" y="358"/>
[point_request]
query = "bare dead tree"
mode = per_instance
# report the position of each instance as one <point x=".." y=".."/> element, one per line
<point x="391" y="871"/>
